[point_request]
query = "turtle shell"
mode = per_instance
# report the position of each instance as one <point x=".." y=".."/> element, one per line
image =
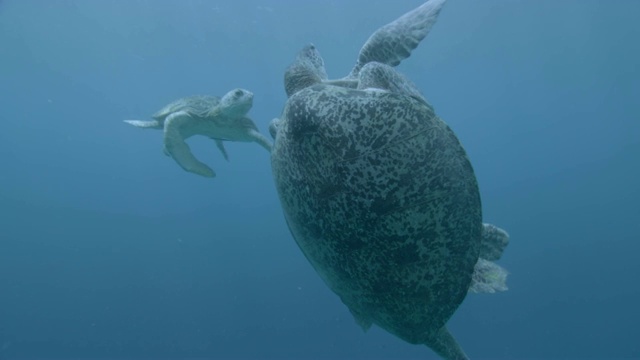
<point x="198" y="106"/>
<point x="382" y="199"/>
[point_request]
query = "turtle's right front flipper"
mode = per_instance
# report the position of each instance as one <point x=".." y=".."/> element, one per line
<point x="177" y="148"/>
<point x="153" y="124"/>
<point x="394" y="42"/>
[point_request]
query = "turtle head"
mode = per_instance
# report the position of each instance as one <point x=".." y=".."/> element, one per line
<point x="236" y="102"/>
<point x="306" y="70"/>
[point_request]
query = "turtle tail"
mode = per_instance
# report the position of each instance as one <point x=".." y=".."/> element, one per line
<point x="445" y="345"/>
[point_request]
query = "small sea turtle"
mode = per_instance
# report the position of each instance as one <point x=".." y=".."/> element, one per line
<point x="380" y="195"/>
<point x="219" y="119"/>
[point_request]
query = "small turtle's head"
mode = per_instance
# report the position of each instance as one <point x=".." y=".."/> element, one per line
<point x="237" y="102"/>
<point x="307" y="70"/>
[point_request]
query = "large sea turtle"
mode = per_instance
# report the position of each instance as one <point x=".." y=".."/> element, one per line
<point x="380" y="195"/>
<point x="219" y="119"/>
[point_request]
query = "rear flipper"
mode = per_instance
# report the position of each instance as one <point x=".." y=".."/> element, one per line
<point x="220" y="146"/>
<point x="494" y="241"/>
<point x="488" y="277"/>
<point x="152" y="124"/>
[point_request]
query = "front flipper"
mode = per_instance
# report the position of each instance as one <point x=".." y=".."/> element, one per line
<point x="261" y="140"/>
<point x="220" y="146"/>
<point x="152" y="124"/>
<point x="177" y="148"/>
<point x="394" y="42"/>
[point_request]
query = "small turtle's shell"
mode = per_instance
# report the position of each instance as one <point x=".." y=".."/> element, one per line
<point x="198" y="106"/>
<point x="382" y="199"/>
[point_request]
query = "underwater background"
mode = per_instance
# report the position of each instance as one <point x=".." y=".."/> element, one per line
<point x="108" y="249"/>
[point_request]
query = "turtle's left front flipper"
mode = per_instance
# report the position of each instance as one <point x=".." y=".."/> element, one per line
<point x="177" y="148"/>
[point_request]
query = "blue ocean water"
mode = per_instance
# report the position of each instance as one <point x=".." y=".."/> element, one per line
<point x="109" y="250"/>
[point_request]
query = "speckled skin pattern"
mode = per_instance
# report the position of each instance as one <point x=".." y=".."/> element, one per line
<point x="381" y="198"/>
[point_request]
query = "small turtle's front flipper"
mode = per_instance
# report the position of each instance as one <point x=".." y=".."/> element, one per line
<point x="152" y="124"/>
<point x="177" y="148"/>
<point x="261" y="140"/>
<point x="445" y="345"/>
<point x="394" y="42"/>
<point x="220" y="146"/>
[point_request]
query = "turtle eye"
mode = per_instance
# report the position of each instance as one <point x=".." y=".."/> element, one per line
<point x="238" y="93"/>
